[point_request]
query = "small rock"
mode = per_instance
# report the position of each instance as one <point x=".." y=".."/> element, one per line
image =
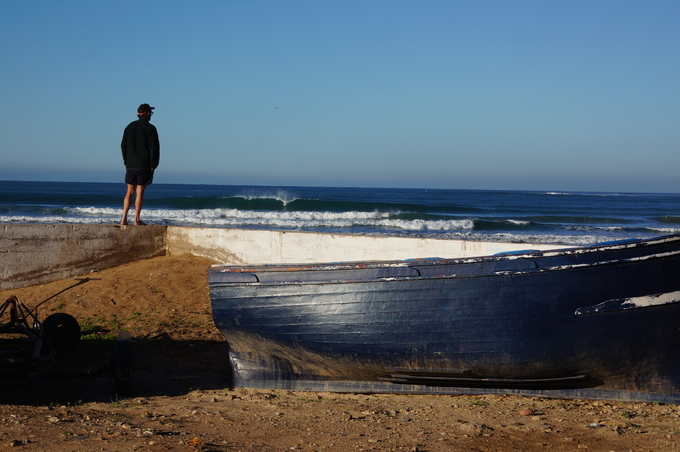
<point x="470" y="428"/>
<point x="526" y="412"/>
<point x="196" y="442"/>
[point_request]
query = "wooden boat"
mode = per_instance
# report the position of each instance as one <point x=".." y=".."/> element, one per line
<point x="593" y="322"/>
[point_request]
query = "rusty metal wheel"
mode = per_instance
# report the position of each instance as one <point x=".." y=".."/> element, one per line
<point x="59" y="333"/>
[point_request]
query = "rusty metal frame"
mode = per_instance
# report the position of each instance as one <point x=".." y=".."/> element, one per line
<point x="24" y="320"/>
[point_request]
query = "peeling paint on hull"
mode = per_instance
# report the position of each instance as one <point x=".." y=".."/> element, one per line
<point x="632" y="303"/>
<point x="498" y="324"/>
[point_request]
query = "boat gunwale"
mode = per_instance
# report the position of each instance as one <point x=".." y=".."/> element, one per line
<point x="288" y="268"/>
<point x="365" y="265"/>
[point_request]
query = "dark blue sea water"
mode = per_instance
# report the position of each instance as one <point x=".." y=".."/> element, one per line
<point x="510" y="216"/>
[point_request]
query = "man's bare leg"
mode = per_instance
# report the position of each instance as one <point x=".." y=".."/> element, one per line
<point x="127" y="202"/>
<point x="139" y="200"/>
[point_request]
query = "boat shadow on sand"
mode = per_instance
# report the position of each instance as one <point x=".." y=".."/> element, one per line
<point x="160" y="366"/>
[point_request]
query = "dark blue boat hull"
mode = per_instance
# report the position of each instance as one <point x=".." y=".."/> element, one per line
<point x="598" y="322"/>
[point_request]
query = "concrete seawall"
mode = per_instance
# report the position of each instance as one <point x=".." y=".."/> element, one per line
<point x="37" y="254"/>
<point x="246" y="247"/>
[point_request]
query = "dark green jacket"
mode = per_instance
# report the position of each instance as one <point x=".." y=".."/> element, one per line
<point x="141" y="147"/>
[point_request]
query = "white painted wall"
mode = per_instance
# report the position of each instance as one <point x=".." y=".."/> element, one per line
<point x="246" y="247"/>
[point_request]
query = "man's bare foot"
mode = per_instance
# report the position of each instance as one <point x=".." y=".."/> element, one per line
<point x="140" y="223"/>
<point x="123" y="223"/>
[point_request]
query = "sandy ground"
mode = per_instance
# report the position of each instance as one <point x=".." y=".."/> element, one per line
<point x="182" y="401"/>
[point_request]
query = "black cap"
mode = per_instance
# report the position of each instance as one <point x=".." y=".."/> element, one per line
<point x="145" y="109"/>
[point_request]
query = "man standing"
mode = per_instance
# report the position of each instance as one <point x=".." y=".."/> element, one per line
<point x="141" y="154"/>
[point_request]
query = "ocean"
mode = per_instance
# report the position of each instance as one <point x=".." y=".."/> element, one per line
<point x="572" y="218"/>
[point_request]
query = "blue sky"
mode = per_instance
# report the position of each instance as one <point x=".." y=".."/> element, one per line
<point x="535" y="95"/>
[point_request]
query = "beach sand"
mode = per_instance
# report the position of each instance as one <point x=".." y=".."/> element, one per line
<point x="181" y="399"/>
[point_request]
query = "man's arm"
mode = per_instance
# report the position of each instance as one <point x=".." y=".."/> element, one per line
<point x="123" y="148"/>
<point x="155" y="149"/>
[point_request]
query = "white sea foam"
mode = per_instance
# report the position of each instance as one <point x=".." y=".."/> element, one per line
<point x="375" y="223"/>
<point x="252" y="218"/>
<point x="289" y="215"/>
<point x="427" y="225"/>
<point x="590" y="228"/>
<point x="666" y="230"/>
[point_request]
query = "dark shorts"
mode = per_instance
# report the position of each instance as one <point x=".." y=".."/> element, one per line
<point x="139" y="177"/>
